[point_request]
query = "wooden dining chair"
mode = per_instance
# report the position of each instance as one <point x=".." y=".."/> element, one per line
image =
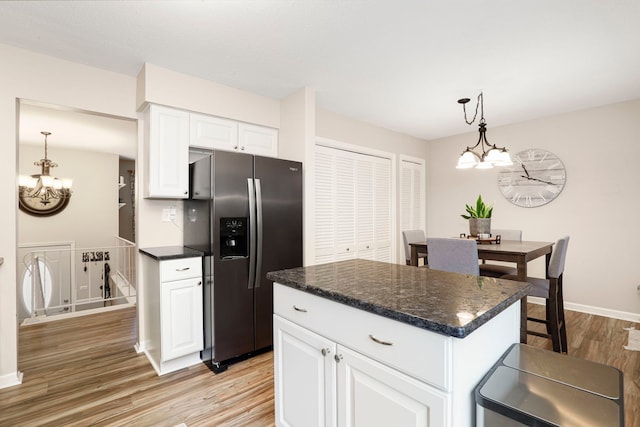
<point x="551" y="290"/>
<point x="412" y="236"/>
<point x="499" y="270"/>
<point x="454" y="255"/>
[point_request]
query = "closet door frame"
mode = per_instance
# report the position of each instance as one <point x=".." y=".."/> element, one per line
<point x="418" y="165"/>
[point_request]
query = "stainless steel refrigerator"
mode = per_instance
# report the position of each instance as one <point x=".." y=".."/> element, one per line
<point x="245" y="213"/>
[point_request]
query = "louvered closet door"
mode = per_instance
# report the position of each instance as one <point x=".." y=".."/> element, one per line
<point x="382" y="211"/>
<point x="345" y="230"/>
<point x="365" y="208"/>
<point x="412" y="195"/>
<point x="353" y="206"/>
<point x="325" y="205"/>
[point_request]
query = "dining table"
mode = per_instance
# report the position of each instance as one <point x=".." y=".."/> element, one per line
<point x="519" y="252"/>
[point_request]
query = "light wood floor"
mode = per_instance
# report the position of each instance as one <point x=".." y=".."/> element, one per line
<point x="84" y="371"/>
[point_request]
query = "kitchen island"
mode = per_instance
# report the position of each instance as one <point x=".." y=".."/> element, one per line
<point x="366" y="343"/>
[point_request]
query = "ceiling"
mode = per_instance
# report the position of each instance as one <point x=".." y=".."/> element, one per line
<point x="401" y="65"/>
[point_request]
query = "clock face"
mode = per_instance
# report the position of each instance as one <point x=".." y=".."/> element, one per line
<point x="536" y="178"/>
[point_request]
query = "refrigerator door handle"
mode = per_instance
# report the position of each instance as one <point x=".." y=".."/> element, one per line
<point x="252" y="233"/>
<point x="259" y="231"/>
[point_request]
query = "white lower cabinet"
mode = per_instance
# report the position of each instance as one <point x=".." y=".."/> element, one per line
<point x="336" y="365"/>
<point x="305" y="372"/>
<point x="181" y="318"/>
<point x="172" y="308"/>
<point x="321" y="383"/>
<point x="372" y="394"/>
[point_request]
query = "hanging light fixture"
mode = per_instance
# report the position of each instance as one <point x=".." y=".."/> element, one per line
<point x="44" y="194"/>
<point x="490" y="155"/>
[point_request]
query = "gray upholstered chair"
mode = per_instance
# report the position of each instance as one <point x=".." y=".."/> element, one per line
<point x="454" y="255"/>
<point x="412" y="236"/>
<point x="499" y="270"/>
<point x="551" y="290"/>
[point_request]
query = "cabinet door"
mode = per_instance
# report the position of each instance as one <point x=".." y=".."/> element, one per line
<point x="371" y="394"/>
<point x="181" y="318"/>
<point x="168" y="153"/>
<point x="258" y="140"/>
<point x="304" y="375"/>
<point x="213" y="132"/>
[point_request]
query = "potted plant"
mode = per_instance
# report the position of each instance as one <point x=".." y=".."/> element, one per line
<point x="479" y="217"/>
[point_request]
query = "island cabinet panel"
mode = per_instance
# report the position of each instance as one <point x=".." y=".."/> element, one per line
<point x="372" y="394"/>
<point x="386" y="372"/>
<point x="321" y="383"/>
<point x="417" y="352"/>
<point x="306" y="370"/>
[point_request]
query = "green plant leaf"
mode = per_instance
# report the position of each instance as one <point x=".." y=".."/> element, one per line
<point x="481" y="210"/>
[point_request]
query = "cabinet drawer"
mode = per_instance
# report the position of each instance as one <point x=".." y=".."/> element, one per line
<point x="178" y="269"/>
<point x="417" y="352"/>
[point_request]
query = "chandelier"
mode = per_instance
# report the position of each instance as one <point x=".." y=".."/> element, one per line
<point x="487" y="155"/>
<point x="42" y="192"/>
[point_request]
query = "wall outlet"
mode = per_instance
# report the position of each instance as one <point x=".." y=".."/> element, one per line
<point x="166" y="215"/>
<point x="169" y="214"/>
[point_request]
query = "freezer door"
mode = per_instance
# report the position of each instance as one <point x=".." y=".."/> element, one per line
<point x="279" y="238"/>
<point x="232" y="295"/>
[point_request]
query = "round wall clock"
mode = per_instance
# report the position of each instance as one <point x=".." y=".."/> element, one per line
<point x="536" y="178"/>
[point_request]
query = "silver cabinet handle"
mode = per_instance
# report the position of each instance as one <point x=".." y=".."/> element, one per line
<point x="242" y="148"/>
<point x="325" y="351"/>
<point x="303" y="310"/>
<point x="380" y="341"/>
<point x="337" y="358"/>
<point x="183" y="269"/>
<point x="200" y="283"/>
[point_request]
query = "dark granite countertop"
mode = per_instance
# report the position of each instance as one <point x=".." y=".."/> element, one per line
<point x="447" y="303"/>
<point x="170" y="252"/>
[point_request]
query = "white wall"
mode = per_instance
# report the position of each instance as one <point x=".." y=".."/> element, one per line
<point x="598" y="207"/>
<point x="38" y="77"/>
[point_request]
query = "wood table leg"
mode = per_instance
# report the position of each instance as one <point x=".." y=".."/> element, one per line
<point x="523" y="320"/>
<point x="414" y="256"/>
<point x="522" y="276"/>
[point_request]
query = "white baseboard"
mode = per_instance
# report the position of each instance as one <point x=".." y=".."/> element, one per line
<point x="10" y="380"/>
<point x="590" y="309"/>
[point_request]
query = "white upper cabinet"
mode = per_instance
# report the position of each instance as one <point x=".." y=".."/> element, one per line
<point x="258" y="140"/>
<point x="216" y="133"/>
<point x="213" y="132"/>
<point x="167" y="139"/>
<point x="169" y="132"/>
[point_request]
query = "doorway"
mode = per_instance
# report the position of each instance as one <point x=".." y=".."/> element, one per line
<point x="90" y="149"/>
